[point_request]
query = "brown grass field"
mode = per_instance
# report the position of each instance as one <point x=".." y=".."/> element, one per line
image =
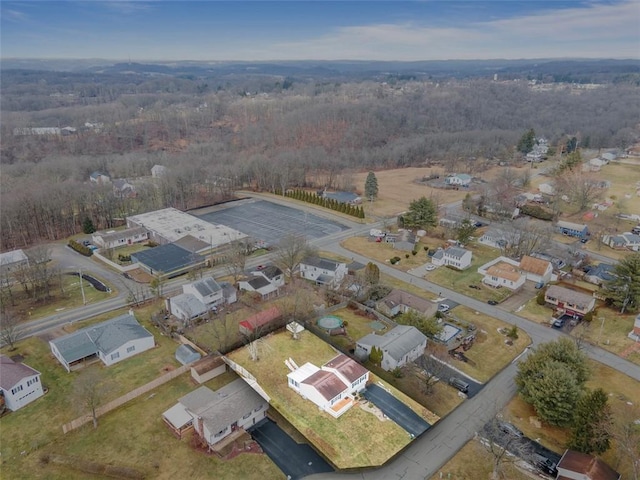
<point x="357" y="438"/>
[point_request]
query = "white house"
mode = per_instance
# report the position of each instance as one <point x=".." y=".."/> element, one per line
<point x="111" y="342"/>
<point x="323" y="271"/>
<point x="627" y="240"/>
<point x="332" y="386"/>
<point x="272" y="274"/>
<point x="399" y="301"/>
<point x="12" y="261"/>
<point x="400" y="345"/>
<point x="595" y="164"/>
<point x="99" y="178"/>
<point x="536" y="270"/>
<point x="158" y="171"/>
<point x="259" y="285"/>
<point x="120" y="238"/>
<point x="458" y="179"/>
<point x="503" y="274"/>
<point x="207" y="290"/>
<point x="19" y="383"/>
<point x="456" y="257"/>
<point x="608" y="157"/>
<point x="217" y="415"/>
<point x="635" y="333"/>
<point x="186" y="307"/>
<point x="494" y="238"/>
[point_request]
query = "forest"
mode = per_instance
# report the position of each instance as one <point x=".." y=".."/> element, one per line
<point x="224" y="129"/>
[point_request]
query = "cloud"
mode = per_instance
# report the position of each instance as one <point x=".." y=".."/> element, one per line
<point x="594" y="30"/>
<point x="14" y="15"/>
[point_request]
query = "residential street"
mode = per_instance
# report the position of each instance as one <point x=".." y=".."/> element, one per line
<point x="434" y="448"/>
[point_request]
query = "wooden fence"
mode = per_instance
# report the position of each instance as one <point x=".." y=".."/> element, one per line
<point x="103" y="409"/>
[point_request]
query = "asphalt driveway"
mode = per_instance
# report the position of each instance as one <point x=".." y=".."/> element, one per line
<point x="396" y="410"/>
<point x="296" y="460"/>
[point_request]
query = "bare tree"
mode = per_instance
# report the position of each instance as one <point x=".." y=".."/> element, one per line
<point x="291" y="250"/>
<point x="236" y="257"/>
<point x="523" y="237"/>
<point x="223" y="330"/>
<point x="297" y="305"/>
<point x="625" y="432"/>
<point x="581" y="188"/>
<point x="10" y="332"/>
<point x="433" y="364"/>
<point x="89" y="392"/>
<point x="505" y="448"/>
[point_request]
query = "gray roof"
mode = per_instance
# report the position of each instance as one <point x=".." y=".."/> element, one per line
<point x="206" y="286"/>
<point x="258" y="282"/>
<point x="167" y="258"/>
<point x="456" y="252"/>
<point x="321" y="263"/>
<point x="186" y="354"/>
<point x="118" y="234"/>
<point x="189" y="303"/>
<point x="397" y="342"/>
<point x="11" y="373"/>
<point x="271" y="272"/>
<point x="191" y="243"/>
<point x="570" y="225"/>
<point x="438" y="255"/>
<point x="221" y="408"/>
<point x="569" y="296"/>
<point x="104" y="337"/>
<point x="14" y="256"/>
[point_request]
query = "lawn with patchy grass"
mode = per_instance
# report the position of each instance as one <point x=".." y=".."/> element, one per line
<point x="383" y="252"/>
<point x="356" y="439"/>
<point x="490" y="353"/>
<point x="131" y="436"/>
<point x="358" y="324"/>
<point x="620" y="389"/>
<point x="472" y="462"/>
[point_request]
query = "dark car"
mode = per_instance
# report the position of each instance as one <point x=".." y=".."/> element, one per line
<point x="492" y="302"/>
<point x="86" y="243"/>
<point x="584" y="240"/>
<point x="558" y="322"/>
<point x="458" y="384"/>
<point x="510" y="429"/>
<point x="545" y="465"/>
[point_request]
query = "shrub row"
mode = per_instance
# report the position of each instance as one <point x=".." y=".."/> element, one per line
<point x="81" y="249"/>
<point x="330" y="203"/>
<point x="536" y="211"/>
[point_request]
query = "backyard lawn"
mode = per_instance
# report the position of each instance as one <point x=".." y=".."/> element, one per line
<point x="356" y="439"/>
<point x="489" y="352"/>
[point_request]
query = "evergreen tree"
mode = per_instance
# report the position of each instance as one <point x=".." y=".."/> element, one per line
<point x="623" y="289"/>
<point x="527" y="141"/>
<point x="372" y="274"/>
<point x="371" y="186"/>
<point x="422" y="214"/>
<point x="375" y="356"/>
<point x="591" y="422"/>
<point x="87" y="226"/>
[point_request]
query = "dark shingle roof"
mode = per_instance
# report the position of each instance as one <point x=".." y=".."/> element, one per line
<point x="206" y="286"/>
<point x="322" y="263"/>
<point x="271" y="272"/>
<point x="166" y="258"/>
<point x="11" y="373"/>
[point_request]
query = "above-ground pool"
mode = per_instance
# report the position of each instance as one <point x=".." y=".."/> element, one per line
<point x="330" y="322"/>
<point x="448" y="332"/>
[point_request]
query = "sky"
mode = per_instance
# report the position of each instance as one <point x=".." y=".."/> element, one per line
<point x="320" y="30"/>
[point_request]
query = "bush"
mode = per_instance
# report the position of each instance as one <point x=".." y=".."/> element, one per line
<point x="406" y="255"/>
<point x="151" y="244"/>
<point x="124" y="258"/>
<point x="397" y="372"/>
<point x="540" y="298"/>
<point x="414" y="252"/>
<point x="536" y="211"/>
<point x="393" y="261"/>
<point x="397" y="259"/>
<point x="588" y="317"/>
<point x="81" y="249"/>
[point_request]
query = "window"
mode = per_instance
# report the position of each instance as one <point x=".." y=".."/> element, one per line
<point x="258" y="408"/>
<point x="115" y="355"/>
<point x="130" y="349"/>
<point x="16" y="389"/>
<point x="247" y="415"/>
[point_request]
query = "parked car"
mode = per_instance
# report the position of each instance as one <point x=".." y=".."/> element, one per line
<point x="458" y="384"/>
<point x="443" y="307"/>
<point x="430" y="267"/>
<point x="584" y="240"/>
<point x="558" y="322"/>
<point x="510" y="429"/>
<point x="543" y="464"/>
<point x="86" y="243"/>
<point x="492" y="302"/>
<point x="260" y="267"/>
<point x="539" y="285"/>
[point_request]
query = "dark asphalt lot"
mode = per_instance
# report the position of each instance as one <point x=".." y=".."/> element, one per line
<point x="396" y="410"/>
<point x="296" y="460"/>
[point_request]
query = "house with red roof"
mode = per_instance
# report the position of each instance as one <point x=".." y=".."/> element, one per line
<point x="581" y="466"/>
<point x="332" y="386"/>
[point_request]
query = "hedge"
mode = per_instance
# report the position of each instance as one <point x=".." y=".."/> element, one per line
<point x="81" y="249"/>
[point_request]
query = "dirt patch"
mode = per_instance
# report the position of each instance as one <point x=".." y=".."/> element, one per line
<point x="139" y="275"/>
<point x="167" y="368"/>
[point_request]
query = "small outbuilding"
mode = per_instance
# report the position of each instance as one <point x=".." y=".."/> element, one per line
<point x="186" y="354"/>
<point x="207" y="368"/>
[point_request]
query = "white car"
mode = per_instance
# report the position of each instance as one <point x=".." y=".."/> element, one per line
<point x="430" y="267"/>
<point x="443" y="307"/>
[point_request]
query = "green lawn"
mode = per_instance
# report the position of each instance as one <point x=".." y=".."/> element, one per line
<point x="356" y="439"/>
<point x="357" y="327"/>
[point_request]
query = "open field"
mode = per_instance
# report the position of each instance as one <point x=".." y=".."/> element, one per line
<point x="474" y="462"/>
<point x="356" y="439"/>
<point x="621" y="389"/>
<point x="489" y="352"/>
<point x="397" y="188"/>
<point x="148" y="445"/>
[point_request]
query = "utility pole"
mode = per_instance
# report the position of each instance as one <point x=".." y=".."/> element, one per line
<point x="84" y="300"/>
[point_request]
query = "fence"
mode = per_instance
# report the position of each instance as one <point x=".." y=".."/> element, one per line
<point x="103" y="409"/>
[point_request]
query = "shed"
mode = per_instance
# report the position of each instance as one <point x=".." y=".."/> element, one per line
<point x="186" y="354"/>
<point x="207" y="368"/>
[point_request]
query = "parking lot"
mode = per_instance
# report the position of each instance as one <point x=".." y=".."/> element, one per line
<point x="269" y="222"/>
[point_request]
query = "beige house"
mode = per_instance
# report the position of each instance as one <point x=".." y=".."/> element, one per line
<point x="569" y="302"/>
